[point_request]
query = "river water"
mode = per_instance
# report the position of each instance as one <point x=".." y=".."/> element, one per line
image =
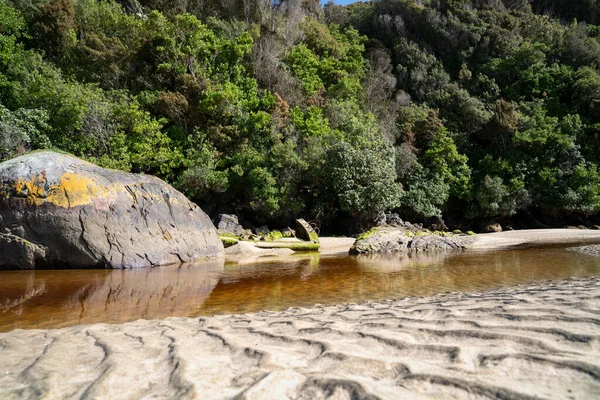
<point x="52" y="299"/>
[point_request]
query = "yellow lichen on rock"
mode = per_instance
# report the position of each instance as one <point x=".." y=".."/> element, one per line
<point x="31" y="190"/>
<point x="72" y="190"/>
<point x="75" y="190"/>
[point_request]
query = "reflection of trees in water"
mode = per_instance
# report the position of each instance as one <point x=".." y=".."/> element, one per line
<point x="61" y="298"/>
<point x="409" y="274"/>
<point x="398" y="261"/>
<point x="236" y="270"/>
<point x="267" y="284"/>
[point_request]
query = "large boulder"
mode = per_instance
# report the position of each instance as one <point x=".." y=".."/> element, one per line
<point x="57" y="211"/>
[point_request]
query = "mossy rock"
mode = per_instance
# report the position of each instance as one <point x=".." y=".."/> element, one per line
<point x="273" y="235"/>
<point x="305" y="232"/>
<point x="367" y="234"/>
<point x="229" y="236"/>
<point x="305" y="247"/>
<point x="288" y="233"/>
<point x="295" y="246"/>
<point x="228" y="241"/>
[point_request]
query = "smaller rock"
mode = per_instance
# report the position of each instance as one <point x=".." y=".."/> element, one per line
<point x="493" y="226"/>
<point x="262" y="230"/>
<point x="394" y="220"/>
<point x="596" y="227"/>
<point x="436" y="224"/>
<point x="306" y="232"/>
<point x="381" y="240"/>
<point x="19" y="253"/>
<point x="229" y="223"/>
<point x="391" y="240"/>
<point x="381" y="220"/>
<point x="434" y="242"/>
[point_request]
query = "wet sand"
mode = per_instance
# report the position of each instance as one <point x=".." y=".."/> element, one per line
<point x="536" y="341"/>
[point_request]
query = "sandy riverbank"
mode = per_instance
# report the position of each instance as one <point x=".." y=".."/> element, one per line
<point x="245" y="253"/>
<point x="493" y="241"/>
<point x="534" y="237"/>
<point x="541" y="340"/>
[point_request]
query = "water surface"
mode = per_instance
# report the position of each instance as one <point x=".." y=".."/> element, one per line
<point x="51" y="299"/>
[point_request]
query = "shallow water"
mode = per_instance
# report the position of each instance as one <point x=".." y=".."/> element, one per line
<point x="51" y="299"/>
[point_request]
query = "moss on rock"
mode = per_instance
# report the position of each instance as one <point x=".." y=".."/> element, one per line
<point x="228" y="240"/>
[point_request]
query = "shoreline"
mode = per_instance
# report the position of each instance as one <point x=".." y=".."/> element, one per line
<point x="518" y="342"/>
<point x="534" y="237"/>
<point x="493" y="241"/>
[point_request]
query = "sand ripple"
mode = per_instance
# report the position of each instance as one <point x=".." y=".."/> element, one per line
<point x="539" y="341"/>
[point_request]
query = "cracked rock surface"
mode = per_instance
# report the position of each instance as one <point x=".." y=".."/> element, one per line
<point x="57" y="211"/>
<point x="525" y="342"/>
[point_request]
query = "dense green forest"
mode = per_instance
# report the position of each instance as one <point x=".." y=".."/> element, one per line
<point x="471" y="110"/>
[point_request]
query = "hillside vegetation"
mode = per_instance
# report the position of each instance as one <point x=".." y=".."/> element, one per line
<point x="470" y="110"/>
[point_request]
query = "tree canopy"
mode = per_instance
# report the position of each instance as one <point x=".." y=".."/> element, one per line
<point x="473" y="109"/>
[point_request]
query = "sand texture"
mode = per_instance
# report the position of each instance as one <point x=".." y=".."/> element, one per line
<point x="533" y="237"/>
<point x="539" y="341"/>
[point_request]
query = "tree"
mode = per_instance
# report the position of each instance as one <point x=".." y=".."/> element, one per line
<point x="362" y="182"/>
<point x="54" y="29"/>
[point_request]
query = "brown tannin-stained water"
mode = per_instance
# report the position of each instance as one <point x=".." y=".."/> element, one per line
<point x="52" y="299"/>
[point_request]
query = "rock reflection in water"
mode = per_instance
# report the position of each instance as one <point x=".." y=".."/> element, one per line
<point x="42" y="299"/>
<point x="394" y="262"/>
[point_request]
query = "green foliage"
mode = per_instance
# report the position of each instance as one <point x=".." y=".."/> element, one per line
<point x="363" y="181"/>
<point x="329" y="60"/>
<point x="467" y="109"/>
<point x="444" y="160"/>
<point x="21" y="130"/>
<point x="310" y="122"/>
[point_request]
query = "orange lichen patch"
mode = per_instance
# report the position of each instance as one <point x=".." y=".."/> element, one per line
<point x="72" y="190"/>
<point x="35" y="188"/>
<point x="76" y="190"/>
